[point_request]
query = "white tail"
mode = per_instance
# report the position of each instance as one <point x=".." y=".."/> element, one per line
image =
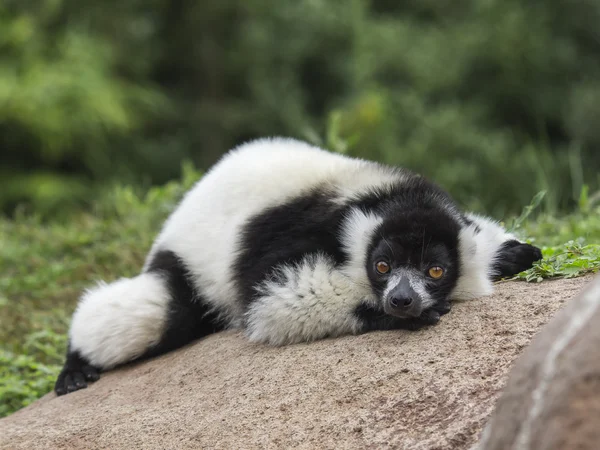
<point x="117" y="322"/>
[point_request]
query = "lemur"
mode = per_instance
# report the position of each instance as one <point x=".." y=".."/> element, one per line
<point x="291" y="243"/>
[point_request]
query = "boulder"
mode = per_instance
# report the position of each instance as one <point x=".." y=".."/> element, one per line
<point x="552" y="399"/>
<point x="431" y="389"/>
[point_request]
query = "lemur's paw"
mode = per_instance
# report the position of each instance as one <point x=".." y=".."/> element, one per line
<point x="430" y="316"/>
<point x="515" y="257"/>
<point x="442" y="308"/>
<point x="75" y="375"/>
<point x="427" y="318"/>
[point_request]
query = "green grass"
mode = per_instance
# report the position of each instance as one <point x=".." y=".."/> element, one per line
<point x="569" y="243"/>
<point x="45" y="265"/>
<point x="569" y="260"/>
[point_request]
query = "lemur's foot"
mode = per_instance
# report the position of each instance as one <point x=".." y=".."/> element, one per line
<point x="75" y="374"/>
<point x="429" y="317"/>
<point x="442" y="308"/>
<point x="515" y="257"/>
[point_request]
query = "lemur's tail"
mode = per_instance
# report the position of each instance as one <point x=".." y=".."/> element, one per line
<point x="117" y="322"/>
<point x="132" y="318"/>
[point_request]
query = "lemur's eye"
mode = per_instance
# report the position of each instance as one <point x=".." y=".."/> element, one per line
<point x="382" y="267"/>
<point x="436" y="272"/>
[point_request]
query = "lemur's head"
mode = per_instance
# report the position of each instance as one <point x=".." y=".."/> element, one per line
<point x="413" y="261"/>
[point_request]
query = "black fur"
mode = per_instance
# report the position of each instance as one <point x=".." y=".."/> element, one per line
<point x="514" y="257"/>
<point x="374" y="319"/>
<point x="285" y="234"/>
<point x="75" y="374"/>
<point x="413" y="192"/>
<point x="310" y="223"/>
<point x="189" y="317"/>
<point x="418" y="239"/>
<point x="420" y="231"/>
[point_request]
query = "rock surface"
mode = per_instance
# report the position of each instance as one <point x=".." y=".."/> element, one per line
<point x="431" y="389"/>
<point x="552" y="398"/>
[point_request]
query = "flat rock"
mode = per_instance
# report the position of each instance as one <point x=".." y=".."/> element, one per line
<point x="552" y="398"/>
<point x="431" y="389"/>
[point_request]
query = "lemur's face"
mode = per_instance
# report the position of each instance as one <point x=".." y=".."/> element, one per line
<point x="413" y="271"/>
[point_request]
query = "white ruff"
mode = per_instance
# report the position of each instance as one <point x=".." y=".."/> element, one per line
<point x="477" y="251"/>
<point x="310" y="301"/>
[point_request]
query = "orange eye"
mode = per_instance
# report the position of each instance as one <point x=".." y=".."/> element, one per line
<point x="382" y="267"/>
<point x="436" y="272"/>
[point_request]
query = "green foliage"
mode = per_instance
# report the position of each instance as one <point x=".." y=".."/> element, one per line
<point x="45" y="266"/>
<point x="518" y="222"/>
<point x="569" y="260"/>
<point x="568" y="242"/>
<point x="495" y="100"/>
<point x="27" y="376"/>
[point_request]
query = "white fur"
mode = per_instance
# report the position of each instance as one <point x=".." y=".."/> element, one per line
<point x="115" y="323"/>
<point x="478" y="244"/>
<point x="204" y="230"/>
<point x="418" y="285"/>
<point x="358" y="231"/>
<point x="312" y="301"/>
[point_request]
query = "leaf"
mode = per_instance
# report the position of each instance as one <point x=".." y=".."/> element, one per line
<point x="535" y="202"/>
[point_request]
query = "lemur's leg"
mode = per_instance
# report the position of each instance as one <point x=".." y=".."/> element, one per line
<point x="514" y="257"/>
<point x="488" y="253"/>
<point x="507" y="256"/>
<point x="157" y="311"/>
<point x="305" y="302"/>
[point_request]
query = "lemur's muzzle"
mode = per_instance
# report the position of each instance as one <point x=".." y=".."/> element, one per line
<point x="403" y="301"/>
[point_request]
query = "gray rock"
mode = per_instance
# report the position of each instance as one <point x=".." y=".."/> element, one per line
<point x="552" y="399"/>
<point x="432" y="389"/>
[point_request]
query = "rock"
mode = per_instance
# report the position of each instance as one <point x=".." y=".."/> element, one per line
<point x="552" y="399"/>
<point x="431" y="389"/>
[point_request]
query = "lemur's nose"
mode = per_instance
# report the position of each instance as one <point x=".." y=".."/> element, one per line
<point x="401" y="302"/>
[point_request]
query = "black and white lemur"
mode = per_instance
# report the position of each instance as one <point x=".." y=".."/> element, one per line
<point x="291" y="243"/>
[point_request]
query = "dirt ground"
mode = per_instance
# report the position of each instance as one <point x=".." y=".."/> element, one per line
<point x="431" y="389"/>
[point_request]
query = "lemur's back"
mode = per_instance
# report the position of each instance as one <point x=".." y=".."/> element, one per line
<point x="205" y="229"/>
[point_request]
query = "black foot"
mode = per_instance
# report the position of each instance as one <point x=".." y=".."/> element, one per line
<point x="430" y="317"/>
<point x="427" y="318"/>
<point x="514" y="257"/>
<point x="443" y="308"/>
<point x="75" y="374"/>
<point x="375" y="319"/>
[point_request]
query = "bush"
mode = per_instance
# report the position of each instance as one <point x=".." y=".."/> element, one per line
<point x="495" y="99"/>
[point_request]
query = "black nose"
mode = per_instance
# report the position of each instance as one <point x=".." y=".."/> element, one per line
<point x="401" y="302"/>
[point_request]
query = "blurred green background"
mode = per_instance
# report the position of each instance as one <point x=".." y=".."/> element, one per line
<point x="493" y="99"/>
<point x="111" y="110"/>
